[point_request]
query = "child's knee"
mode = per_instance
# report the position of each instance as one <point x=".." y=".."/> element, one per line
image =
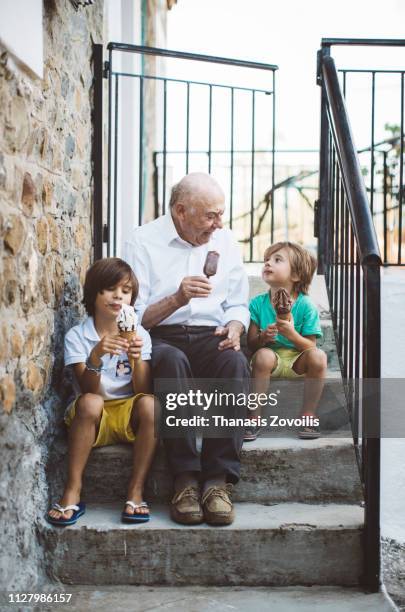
<point x="264" y="359"/>
<point x="89" y="406"/>
<point x="146" y="409"/>
<point x="317" y="359"/>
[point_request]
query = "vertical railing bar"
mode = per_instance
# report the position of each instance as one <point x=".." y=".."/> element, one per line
<point x="252" y="181"/>
<point x="341" y="272"/>
<point x="273" y="162"/>
<point x="97" y="152"/>
<point x="372" y="141"/>
<point x="232" y="154"/>
<point x="385" y="178"/>
<point x="323" y="203"/>
<point x="164" y="144"/>
<point x="332" y="228"/>
<point x="140" y="179"/>
<point x="356" y="415"/>
<point x="115" y="207"/>
<point x="109" y="152"/>
<point x="346" y="298"/>
<point x="352" y="305"/>
<point x="358" y="315"/>
<point x="336" y="254"/>
<point x="344" y="83"/>
<point x="372" y="429"/>
<point x="210" y="131"/>
<point x="188" y="127"/>
<point x="401" y="173"/>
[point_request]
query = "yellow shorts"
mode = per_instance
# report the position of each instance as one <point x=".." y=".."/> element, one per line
<point x="286" y="357"/>
<point x="115" y="426"/>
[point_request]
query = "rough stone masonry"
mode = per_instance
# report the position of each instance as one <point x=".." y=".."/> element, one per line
<point x="45" y="231"/>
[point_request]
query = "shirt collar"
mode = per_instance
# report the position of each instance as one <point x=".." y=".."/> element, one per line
<point x="170" y="230"/>
<point x="89" y="330"/>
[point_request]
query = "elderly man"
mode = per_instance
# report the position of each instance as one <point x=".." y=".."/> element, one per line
<point x="195" y="324"/>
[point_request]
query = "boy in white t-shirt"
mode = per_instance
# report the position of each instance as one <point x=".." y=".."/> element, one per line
<point x="113" y="403"/>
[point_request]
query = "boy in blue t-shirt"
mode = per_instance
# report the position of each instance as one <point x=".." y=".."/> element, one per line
<point x="287" y="348"/>
<point x="113" y="402"/>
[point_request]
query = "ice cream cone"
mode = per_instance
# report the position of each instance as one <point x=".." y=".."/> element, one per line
<point x="129" y="335"/>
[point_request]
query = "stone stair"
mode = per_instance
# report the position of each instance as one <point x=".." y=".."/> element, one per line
<point x="299" y="518"/>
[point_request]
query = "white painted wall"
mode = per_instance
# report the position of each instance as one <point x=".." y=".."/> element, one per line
<point x="393" y="366"/>
<point x="21" y="33"/>
<point x="124" y="24"/>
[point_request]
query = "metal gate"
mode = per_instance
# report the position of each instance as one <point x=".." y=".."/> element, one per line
<point x="164" y="123"/>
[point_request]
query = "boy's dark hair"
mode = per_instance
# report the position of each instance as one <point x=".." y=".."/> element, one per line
<point x="104" y="274"/>
<point x="303" y="263"/>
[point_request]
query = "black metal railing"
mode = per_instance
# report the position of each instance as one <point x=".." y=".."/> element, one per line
<point x="382" y="166"/>
<point x="350" y="259"/>
<point x="167" y="111"/>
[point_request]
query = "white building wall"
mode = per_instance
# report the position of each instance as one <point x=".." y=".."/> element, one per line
<point x="393" y="366"/>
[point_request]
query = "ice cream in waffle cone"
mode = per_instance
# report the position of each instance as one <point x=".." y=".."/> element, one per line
<point x="127" y="322"/>
<point x="282" y="303"/>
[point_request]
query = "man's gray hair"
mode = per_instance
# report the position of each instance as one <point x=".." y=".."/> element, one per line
<point x="178" y="193"/>
<point x="192" y="187"/>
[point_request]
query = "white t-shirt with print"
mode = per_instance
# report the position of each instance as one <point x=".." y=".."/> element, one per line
<point x="116" y="378"/>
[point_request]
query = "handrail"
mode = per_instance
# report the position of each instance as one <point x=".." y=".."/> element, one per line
<point x="350" y="259"/>
<point x="356" y="192"/>
<point x="375" y="42"/>
<point x="189" y="56"/>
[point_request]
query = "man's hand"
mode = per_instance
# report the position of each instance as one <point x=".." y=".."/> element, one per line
<point x="135" y="348"/>
<point x="110" y="343"/>
<point x="268" y="334"/>
<point x="192" y="287"/>
<point x="286" y="328"/>
<point x="233" y="332"/>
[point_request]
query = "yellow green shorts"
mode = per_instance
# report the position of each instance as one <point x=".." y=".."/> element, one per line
<point x="286" y="357"/>
<point x="115" y="426"/>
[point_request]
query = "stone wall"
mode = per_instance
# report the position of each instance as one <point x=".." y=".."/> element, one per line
<point x="45" y="231"/>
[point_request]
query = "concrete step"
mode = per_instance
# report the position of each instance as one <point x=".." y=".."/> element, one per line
<point x="220" y="599"/>
<point x="272" y="470"/>
<point x="279" y="545"/>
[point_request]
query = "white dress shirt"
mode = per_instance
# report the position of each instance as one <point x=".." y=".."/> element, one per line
<point x="161" y="259"/>
<point x="116" y="377"/>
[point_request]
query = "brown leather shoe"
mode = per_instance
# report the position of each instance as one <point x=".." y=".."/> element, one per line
<point x="185" y="507"/>
<point x="217" y="505"/>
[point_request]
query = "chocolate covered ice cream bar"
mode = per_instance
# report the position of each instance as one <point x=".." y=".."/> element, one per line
<point x="211" y="263"/>
<point x="282" y="303"/>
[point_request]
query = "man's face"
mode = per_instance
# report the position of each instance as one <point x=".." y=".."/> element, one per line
<point x="199" y="220"/>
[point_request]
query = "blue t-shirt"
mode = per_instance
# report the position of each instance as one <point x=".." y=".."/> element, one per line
<point x="304" y="312"/>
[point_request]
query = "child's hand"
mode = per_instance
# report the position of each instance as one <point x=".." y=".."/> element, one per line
<point x="269" y="333"/>
<point x="112" y="344"/>
<point x="135" y="347"/>
<point x="286" y="328"/>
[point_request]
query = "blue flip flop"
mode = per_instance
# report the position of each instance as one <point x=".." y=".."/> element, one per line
<point x="78" y="510"/>
<point x="136" y="517"/>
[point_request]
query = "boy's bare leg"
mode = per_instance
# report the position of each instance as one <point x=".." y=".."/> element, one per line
<point x="143" y="424"/>
<point x="82" y="434"/>
<point x="312" y="363"/>
<point x="264" y="362"/>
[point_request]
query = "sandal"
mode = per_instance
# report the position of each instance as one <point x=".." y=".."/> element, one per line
<point x="78" y="510"/>
<point x="136" y="517"/>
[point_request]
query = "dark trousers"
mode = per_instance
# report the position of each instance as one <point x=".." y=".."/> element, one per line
<point x="184" y="352"/>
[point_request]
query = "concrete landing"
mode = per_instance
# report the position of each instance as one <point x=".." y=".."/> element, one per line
<point x="222" y="599"/>
<point x="280" y="545"/>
